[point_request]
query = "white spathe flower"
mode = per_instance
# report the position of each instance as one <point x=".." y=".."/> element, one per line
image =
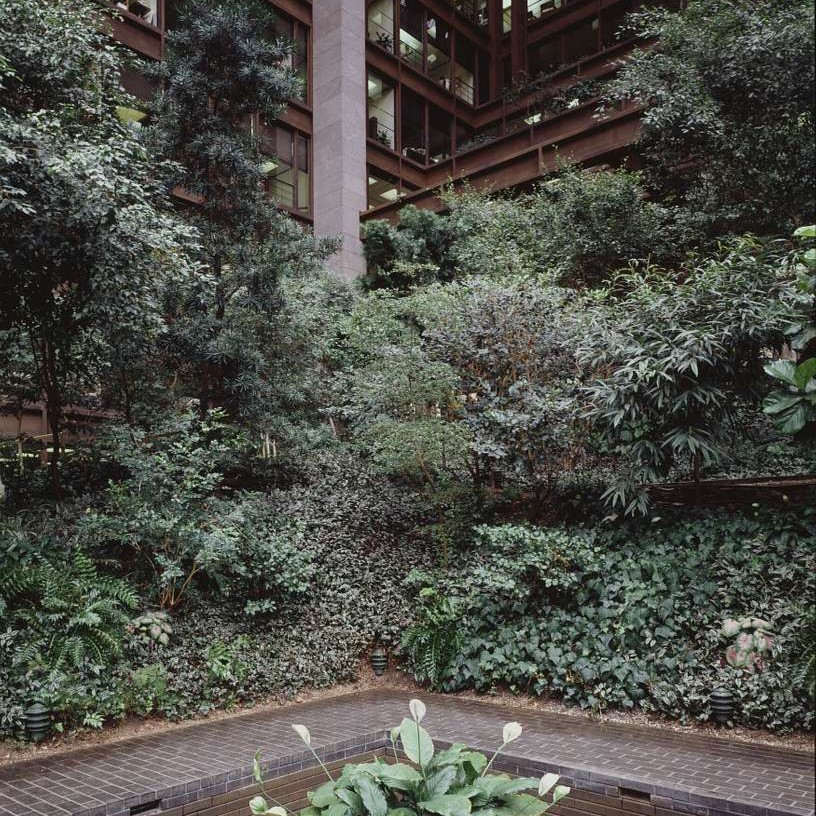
<point x="417" y="709"/>
<point x="258" y="805"/>
<point x="303" y="733"/>
<point x="546" y="783"/>
<point x="560" y="792"/>
<point x="512" y="731"/>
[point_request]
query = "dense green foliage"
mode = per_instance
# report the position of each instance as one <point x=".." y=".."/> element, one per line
<point x="578" y="226"/>
<point x="221" y="71"/>
<point x="728" y="131"/>
<point x="456" y="460"/>
<point x="86" y="203"/>
<point x="633" y="616"/>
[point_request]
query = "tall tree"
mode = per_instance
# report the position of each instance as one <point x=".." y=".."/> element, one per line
<point x="224" y="79"/>
<point x="728" y="130"/>
<point x="87" y="233"/>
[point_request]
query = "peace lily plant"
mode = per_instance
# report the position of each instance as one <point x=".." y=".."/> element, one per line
<point x="450" y="782"/>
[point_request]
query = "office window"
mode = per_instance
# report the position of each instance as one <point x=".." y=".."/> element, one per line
<point x="544" y="57"/>
<point x="464" y="70"/>
<point x="381" y="110"/>
<point x="412" y="18"/>
<point x="438" y="58"/>
<point x="537" y="9"/>
<point x="413" y="126"/>
<point x="483" y="77"/>
<point x="474" y="10"/>
<point x="380" y="23"/>
<point x="286" y="165"/>
<point x="382" y="188"/>
<point x="507" y="16"/>
<point x="439" y="134"/>
<point x="294" y="32"/>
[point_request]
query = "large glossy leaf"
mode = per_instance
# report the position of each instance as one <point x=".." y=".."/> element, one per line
<point x="783" y="370"/>
<point x="449" y="755"/>
<point x="374" y="800"/>
<point x="449" y="804"/>
<point x="778" y="401"/>
<point x="795" y="420"/>
<point x="476" y="760"/>
<point x="440" y="781"/>
<point x="416" y="742"/>
<point x="351" y="798"/>
<point x="398" y="777"/>
<point x="496" y="787"/>
<point x="324" y="796"/>
<point x="805" y="372"/>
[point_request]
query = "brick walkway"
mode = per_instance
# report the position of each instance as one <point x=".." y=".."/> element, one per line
<point x="670" y="771"/>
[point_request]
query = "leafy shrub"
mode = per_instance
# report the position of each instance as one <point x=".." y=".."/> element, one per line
<point x="167" y="508"/>
<point x="632" y="615"/>
<point x="724" y="134"/>
<point x="146" y="690"/>
<point x="578" y="227"/>
<point x="431" y="643"/>
<point x="152" y="629"/>
<point x="452" y="782"/>
<point x="70" y="614"/>
<point x="675" y="357"/>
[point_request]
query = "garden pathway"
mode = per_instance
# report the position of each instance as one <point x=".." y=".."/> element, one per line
<point x="661" y="771"/>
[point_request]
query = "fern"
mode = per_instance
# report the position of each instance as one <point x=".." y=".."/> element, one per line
<point x="70" y="614"/>
<point x="432" y="642"/>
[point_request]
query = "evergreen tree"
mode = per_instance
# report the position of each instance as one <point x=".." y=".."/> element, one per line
<point x="224" y="79"/>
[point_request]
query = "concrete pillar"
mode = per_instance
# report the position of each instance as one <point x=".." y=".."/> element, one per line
<point x="339" y="149"/>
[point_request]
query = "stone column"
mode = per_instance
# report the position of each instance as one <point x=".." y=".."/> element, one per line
<point x="339" y="140"/>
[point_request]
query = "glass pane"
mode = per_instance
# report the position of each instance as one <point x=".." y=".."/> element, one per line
<point x="581" y="41"/>
<point x="464" y="70"/>
<point x="439" y="50"/>
<point x="439" y="134"/>
<point x="536" y="9"/>
<point x="382" y="188"/>
<point x="381" y="110"/>
<point x="413" y="126"/>
<point x="381" y="23"/>
<point x="544" y="57"/>
<point x="411" y="16"/>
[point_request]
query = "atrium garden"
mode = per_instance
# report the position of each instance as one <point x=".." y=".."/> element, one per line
<point x="556" y="447"/>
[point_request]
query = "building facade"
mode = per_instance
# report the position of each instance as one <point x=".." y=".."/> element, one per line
<point x="404" y="96"/>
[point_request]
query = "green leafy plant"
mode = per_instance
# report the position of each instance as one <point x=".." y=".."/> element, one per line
<point x="793" y="408"/>
<point x="450" y="782"/>
<point x="431" y="643"/>
<point x="224" y="660"/>
<point x="71" y="613"/>
<point x="753" y="640"/>
<point x="147" y="690"/>
<point x="804" y="646"/>
<point x="152" y="629"/>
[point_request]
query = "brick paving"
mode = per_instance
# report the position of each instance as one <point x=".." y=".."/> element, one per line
<point x="670" y="771"/>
